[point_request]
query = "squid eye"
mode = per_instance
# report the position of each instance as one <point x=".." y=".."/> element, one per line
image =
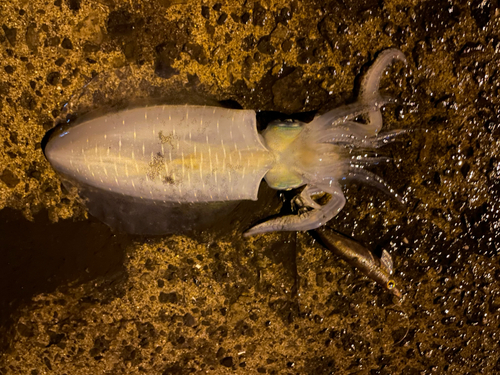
<point x="391" y="284"/>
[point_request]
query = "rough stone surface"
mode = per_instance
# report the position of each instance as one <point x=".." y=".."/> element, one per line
<point x="76" y="299"/>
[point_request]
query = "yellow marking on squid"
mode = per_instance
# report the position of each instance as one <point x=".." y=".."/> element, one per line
<point x="223" y="148"/>
<point x="210" y="158"/>
<point x="201" y="170"/>
<point x="182" y="156"/>
<point x="206" y="138"/>
<point x="137" y="167"/>
<point x="105" y="136"/>
<point x="217" y="125"/>
<point x="126" y="169"/>
<point x="170" y="154"/>
<point x="143" y="149"/>
<point x="117" y="181"/>
<point x="191" y="161"/>
<point x="116" y="170"/>
<point x="194" y="150"/>
<point x="166" y="168"/>
<point x="145" y="115"/>
<point x="133" y="185"/>
<point x="105" y="171"/>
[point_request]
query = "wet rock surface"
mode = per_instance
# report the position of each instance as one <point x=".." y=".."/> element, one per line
<point x="77" y="299"/>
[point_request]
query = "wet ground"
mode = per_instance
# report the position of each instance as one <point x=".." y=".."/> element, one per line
<point x="77" y="299"/>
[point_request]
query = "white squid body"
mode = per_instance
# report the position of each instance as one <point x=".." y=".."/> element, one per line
<point x="140" y="169"/>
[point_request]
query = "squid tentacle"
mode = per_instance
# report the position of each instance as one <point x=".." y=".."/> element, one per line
<point x="371" y="83"/>
<point x="370" y="178"/>
<point x="344" y="138"/>
<point x="306" y="220"/>
<point x="340" y="115"/>
<point x="304" y="199"/>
